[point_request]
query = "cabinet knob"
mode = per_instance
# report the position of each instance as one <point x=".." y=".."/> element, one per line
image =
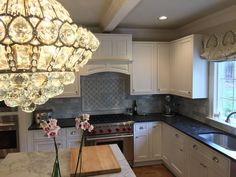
<point x="203" y="165"/>
<point x="215" y="159"/>
<point x="133" y="90"/>
<point x="195" y="147"/>
<point x="141" y="128"/>
<point x="73" y="132"/>
<point x="58" y="144"/>
<point x="176" y="135"/>
<point x="181" y="150"/>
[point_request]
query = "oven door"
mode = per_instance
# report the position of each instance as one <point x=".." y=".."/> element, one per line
<point x="8" y="139"/>
<point x="125" y="143"/>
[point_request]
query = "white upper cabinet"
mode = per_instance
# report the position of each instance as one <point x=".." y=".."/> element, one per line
<point x="144" y="68"/>
<point x="188" y="72"/>
<point x="150" y="68"/>
<point x="114" y="47"/>
<point x="163" y="67"/>
<point x="72" y="90"/>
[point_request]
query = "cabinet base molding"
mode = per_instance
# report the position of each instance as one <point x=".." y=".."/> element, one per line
<point x="147" y="163"/>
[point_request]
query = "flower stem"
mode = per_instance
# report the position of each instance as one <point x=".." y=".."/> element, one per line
<point x="80" y="156"/>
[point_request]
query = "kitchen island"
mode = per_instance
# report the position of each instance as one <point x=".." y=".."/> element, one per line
<point x="40" y="164"/>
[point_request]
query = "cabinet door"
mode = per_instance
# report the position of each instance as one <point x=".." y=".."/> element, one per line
<point x="141" y="142"/>
<point x="197" y="166"/>
<point x="167" y="145"/>
<point x="155" y="140"/>
<point x="144" y="77"/>
<point x="73" y="143"/>
<point x="48" y="145"/>
<point x="163" y="68"/>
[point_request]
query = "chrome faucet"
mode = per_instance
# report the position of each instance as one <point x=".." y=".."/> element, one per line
<point x="227" y="119"/>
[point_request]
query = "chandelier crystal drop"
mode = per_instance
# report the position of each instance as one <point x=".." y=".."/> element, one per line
<point x="40" y="49"/>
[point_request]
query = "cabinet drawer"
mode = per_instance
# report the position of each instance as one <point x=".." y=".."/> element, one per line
<point x="73" y="133"/>
<point x="40" y="135"/>
<point x="141" y="127"/>
<point x="219" y="162"/>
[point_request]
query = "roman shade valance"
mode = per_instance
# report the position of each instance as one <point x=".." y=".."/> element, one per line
<point x="220" y="46"/>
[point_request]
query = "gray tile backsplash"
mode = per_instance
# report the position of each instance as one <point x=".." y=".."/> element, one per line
<point x="104" y="93"/>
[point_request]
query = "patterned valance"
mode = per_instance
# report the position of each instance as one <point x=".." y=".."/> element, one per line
<point x="220" y="47"/>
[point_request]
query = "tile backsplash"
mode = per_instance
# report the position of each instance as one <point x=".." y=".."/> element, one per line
<point x="104" y="93"/>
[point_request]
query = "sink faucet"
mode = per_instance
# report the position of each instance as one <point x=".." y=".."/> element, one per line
<point x="227" y="119"/>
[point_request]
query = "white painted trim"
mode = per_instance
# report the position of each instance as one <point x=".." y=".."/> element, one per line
<point x="116" y="12"/>
<point x="221" y="17"/>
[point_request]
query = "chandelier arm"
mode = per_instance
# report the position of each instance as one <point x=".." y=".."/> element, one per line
<point x="25" y="8"/>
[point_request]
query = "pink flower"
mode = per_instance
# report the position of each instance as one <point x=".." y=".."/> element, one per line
<point x="82" y="123"/>
<point x="50" y="128"/>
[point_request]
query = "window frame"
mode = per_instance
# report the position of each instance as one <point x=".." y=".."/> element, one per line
<point x="213" y="94"/>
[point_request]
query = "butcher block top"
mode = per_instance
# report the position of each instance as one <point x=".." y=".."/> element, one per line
<point x="40" y="164"/>
<point x="96" y="160"/>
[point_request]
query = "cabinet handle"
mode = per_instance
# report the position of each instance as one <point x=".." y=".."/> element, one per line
<point x="136" y="137"/>
<point x="203" y="165"/>
<point x="195" y="147"/>
<point x="215" y="159"/>
<point x="73" y="132"/>
<point x="155" y="126"/>
<point x="141" y="128"/>
<point x="133" y="90"/>
<point x="181" y="150"/>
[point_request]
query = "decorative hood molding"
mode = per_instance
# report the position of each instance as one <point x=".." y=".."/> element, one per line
<point x="220" y="46"/>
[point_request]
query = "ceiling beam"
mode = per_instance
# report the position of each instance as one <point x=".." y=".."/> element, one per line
<point x="116" y="12"/>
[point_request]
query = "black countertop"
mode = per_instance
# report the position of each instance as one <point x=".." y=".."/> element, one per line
<point x="184" y="124"/>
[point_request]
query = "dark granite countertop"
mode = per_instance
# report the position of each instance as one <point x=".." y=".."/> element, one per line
<point x="184" y="124"/>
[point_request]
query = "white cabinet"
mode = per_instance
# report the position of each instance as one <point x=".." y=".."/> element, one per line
<point x="150" y="68"/>
<point x="114" y="47"/>
<point x="205" y="162"/>
<point x="72" y="90"/>
<point x="163" y="67"/>
<point x="144" y="68"/>
<point x="147" y="141"/>
<point x="141" y="142"/>
<point x="68" y="138"/>
<point x="174" y="153"/>
<point x="188" y="72"/>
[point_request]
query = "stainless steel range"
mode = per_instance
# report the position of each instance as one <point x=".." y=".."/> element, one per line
<point x="113" y="129"/>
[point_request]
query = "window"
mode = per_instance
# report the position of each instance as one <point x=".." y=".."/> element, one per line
<point x="225" y="90"/>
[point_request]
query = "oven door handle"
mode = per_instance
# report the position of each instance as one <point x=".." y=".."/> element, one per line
<point x="109" y="137"/>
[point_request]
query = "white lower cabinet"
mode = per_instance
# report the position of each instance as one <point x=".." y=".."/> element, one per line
<point x="174" y="153"/>
<point x="205" y="162"/>
<point x="147" y="141"/>
<point x="68" y="138"/>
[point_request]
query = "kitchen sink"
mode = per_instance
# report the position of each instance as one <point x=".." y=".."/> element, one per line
<point x="223" y="140"/>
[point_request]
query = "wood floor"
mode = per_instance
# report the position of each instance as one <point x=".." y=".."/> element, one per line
<point x="152" y="171"/>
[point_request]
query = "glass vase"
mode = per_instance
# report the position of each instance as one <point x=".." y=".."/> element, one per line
<point x="56" y="172"/>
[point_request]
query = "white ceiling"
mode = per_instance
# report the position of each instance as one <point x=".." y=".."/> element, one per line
<point x="144" y="15"/>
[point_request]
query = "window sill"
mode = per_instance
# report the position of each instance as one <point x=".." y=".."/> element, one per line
<point x="222" y="123"/>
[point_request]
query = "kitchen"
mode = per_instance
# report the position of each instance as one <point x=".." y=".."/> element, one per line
<point x="144" y="60"/>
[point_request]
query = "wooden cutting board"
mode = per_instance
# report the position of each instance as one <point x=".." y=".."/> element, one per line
<point x="96" y="160"/>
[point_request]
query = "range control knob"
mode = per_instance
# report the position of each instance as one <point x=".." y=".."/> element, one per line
<point x="100" y="131"/>
<point x="117" y="129"/>
<point x="109" y="130"/>
<point x="124" y="129"/>
<point x="129" y="129"/>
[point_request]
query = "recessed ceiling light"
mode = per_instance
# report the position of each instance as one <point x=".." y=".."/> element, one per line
<point x="162" y="17"/>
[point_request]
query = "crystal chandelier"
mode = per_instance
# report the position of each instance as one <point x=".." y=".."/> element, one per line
<point x="40" y="49"/>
